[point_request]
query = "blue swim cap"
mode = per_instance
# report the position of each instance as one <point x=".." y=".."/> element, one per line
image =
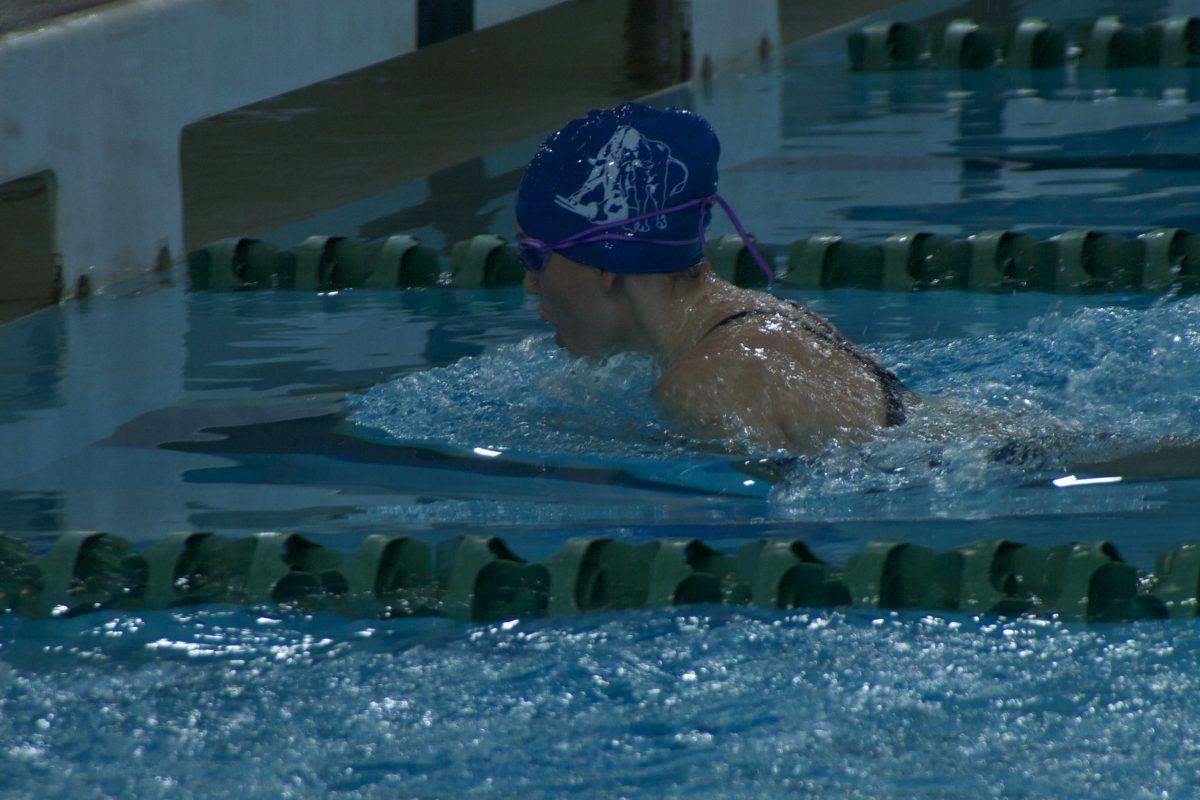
<point x="620" y="163"/>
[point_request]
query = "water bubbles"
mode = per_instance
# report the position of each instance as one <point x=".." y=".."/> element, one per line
<point x="529" y="397"/>
<point x="1002" y="410"/>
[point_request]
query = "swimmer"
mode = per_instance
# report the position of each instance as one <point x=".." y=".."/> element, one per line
<point x="611" y="213"/>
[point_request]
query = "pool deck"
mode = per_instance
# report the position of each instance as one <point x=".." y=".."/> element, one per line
<point x="275" y="162"/>
<point x="128" y="196"/>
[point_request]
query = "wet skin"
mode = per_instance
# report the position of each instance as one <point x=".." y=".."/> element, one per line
<point x="763" y="381"/>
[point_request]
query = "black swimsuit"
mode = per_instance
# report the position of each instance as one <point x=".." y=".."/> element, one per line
<point x="894" y="389"/>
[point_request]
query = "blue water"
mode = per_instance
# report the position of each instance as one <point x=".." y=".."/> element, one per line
<point x="704" y="701"/>
<point x="707" y="702"/>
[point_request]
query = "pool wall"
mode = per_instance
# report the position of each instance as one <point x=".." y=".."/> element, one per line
<point x="99" y="98"/>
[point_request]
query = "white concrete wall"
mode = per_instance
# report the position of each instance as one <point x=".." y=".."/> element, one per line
<point x="726" y="30"/>
<point x="101" y="98"/>
<point x="494" y="12"/>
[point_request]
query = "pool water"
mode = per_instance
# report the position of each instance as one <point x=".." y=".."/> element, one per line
<point x="437" y="412"/>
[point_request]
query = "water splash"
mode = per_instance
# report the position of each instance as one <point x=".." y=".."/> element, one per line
<point x="999" y="412"/>
<point x="1005" y="410"/>
<point x="703" y="702"/>
<point x="530" y="397"/>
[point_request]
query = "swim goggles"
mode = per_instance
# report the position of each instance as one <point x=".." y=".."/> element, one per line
<point x="534" y="252"/>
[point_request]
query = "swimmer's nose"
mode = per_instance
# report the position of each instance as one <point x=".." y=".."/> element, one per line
<point x="531" y="284"/>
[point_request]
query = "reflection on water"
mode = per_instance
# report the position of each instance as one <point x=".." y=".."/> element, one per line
<point x="31" y="366"/>
<point x="865" y="154"/>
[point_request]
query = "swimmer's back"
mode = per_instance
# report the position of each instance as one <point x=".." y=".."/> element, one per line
<point x="774" y="373"/>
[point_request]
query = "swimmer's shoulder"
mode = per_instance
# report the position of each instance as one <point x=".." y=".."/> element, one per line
<point x="721" y="389"/>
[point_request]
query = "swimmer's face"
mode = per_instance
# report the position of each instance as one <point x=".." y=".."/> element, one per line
<point x="581" y="303"/>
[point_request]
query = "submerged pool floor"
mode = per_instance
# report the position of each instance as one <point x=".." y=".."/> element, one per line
<point x="199" y="432"/>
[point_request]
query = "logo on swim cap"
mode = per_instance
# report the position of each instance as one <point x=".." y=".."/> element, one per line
<point x="631" y="175"/>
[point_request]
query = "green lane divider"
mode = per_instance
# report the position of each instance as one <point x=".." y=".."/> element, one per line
<point x="479" y="578"/>
<point x="1104" y="43"/>
<point x="1073" y="262"/>
<point x="338" y="263"/>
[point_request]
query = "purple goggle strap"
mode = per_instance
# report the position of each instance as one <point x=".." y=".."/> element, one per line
<point x="595" y="234"/>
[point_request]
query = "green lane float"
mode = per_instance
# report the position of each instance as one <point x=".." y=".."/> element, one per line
<point x="1173" y="43"/>
<point x="885" y="45"/>
<point x="733" y="261"/>
<point x="1177" y="580"/>
<point x="965" y="44"/>
<point x="389" y="576"/>
<point x="924" y="260"/>
<point x="401" y="262"/>
<point x="828" y="261"/>
<point x="481" y="579"/>
<point x="1088" y="581"/>
<point x="1088" y="261"/>
<point x="579" y="579"/>
<point x="318" y="264"/>
<point x="783" y="574"/>
<point x="485" y="262"/>
<point x="1035" y="44"/>
<point x="1003" y="261"/>
<point x="19" y="578"/>
<point x="686" y="571"/>
<point x="323" y="264"/>
<point x="181" y="570"/>
<point x="282" y="568"/>
<point x="1171" y="259"/>
<point x="84" y="571"/>
<point x="230" y="264"/>
<point x="982" y="578"/>
<point x="889" y="574"/>
<point x="1104" y="43"/>
<point x="1110" y="44"/>
<point x="477" y="578"/>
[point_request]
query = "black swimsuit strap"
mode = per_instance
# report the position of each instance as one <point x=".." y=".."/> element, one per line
<point x="893" y="388"/>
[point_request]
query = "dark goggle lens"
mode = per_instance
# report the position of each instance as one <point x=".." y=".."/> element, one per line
<point x="531" y="258"/>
